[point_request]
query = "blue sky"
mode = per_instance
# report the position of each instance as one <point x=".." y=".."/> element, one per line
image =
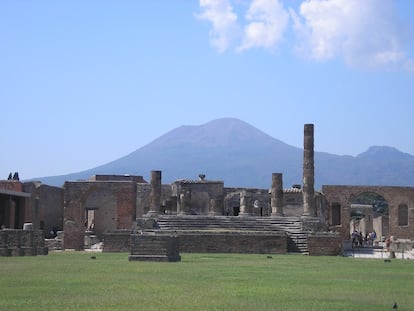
<point x="83" y="83"/>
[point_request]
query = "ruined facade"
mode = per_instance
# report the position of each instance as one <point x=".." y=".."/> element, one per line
<point x="400" y="201"/>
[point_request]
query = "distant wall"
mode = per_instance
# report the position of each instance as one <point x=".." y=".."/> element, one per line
<point x="47" y="213"/>
<point x="134" y="178"/>
<point x="11" y="185"/>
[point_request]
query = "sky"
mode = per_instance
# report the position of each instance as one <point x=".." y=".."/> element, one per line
<point x="83" y="83"/>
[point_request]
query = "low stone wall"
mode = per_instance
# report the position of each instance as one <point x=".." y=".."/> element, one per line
<point x="154" y="247"/>
<point x="324" y="244"/>
<point x="233" y="242"/>
<point x="15" y="242"/>
<point x="116" y="241"/>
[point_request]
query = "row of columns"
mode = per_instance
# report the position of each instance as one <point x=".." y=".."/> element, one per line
<point x="184" y="199"/>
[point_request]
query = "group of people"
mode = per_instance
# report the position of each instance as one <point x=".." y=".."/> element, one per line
<point x="363" y="240"/>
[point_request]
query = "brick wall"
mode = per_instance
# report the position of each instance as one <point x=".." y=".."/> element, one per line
<point x="114" y="204"/>
<point x="233" y="242"/>
<point x="48" y="213"/>
<point x="11" y="185"/>
<point x="324" y="245"/>
<point x="395" y="196"/>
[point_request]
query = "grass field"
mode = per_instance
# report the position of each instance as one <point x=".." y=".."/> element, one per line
<point x="74" y="281"/>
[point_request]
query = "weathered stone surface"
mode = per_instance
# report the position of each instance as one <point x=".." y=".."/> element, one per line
<point x="117" y="241"/>
<point x="155" y="247"/>
<point x="16" y="242"/>
<point x="324" y="244"/>
<point x="277" y="194"/>
<point x="308" y="171"/>
<point x="233" y="242"/>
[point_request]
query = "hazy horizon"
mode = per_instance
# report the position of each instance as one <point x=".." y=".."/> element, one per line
<point x="85" y="83"/>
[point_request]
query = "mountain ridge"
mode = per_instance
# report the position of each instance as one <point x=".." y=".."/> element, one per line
<point x="241" y="155"/>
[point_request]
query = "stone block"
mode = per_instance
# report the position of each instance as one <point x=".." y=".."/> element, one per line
<point x="155" y="247"/>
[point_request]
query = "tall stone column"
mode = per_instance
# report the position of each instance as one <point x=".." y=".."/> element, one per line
<point x="155" y="195"/>
<point x="308" y="171"/>
<point x="276" y="199"/>
<point x="245" y="204"/>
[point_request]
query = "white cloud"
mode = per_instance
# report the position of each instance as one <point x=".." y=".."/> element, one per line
<point x="268" y="21"/>
<point x="365" y="33"/>
<point x="224" y="20"/>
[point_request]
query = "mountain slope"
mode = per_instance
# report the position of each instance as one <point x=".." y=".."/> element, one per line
<point x="241" y="155"/>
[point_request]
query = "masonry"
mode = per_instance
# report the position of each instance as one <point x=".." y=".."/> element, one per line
<point x="22" y="243"/>
<point x="99" y="205"/>
<point x="400" y="201"/>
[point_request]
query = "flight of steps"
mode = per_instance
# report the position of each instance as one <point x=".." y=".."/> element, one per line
<point x="292" y="226"/>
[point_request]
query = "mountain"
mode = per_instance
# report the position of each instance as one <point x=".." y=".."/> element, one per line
<point x="243" y="156"/>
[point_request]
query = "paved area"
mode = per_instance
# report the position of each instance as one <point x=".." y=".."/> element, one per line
<point x="377" y="253"/>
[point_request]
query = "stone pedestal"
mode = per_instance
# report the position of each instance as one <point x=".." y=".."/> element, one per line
<point x="154" y="247"/>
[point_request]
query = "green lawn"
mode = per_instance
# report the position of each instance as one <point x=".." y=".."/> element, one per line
<point x="74" y="281"/>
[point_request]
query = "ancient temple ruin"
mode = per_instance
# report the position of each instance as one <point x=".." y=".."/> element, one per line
<point x="205" y="215"/>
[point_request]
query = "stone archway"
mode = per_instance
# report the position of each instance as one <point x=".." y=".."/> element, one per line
<point x="340" y="199"/>
<point x="368" y="214"/>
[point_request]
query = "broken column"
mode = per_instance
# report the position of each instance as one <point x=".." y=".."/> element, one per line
<point x="276" y="200"/>
<point x="308" y="171"/>
<point x="155" y="195"/>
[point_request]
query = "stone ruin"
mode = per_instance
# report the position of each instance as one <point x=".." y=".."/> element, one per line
<point x="203" y="214"/>
<point x="202" y="223"/>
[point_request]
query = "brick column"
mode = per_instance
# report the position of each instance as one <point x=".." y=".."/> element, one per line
<point x="276" y="200"/>
<point x="308" y="171"/>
